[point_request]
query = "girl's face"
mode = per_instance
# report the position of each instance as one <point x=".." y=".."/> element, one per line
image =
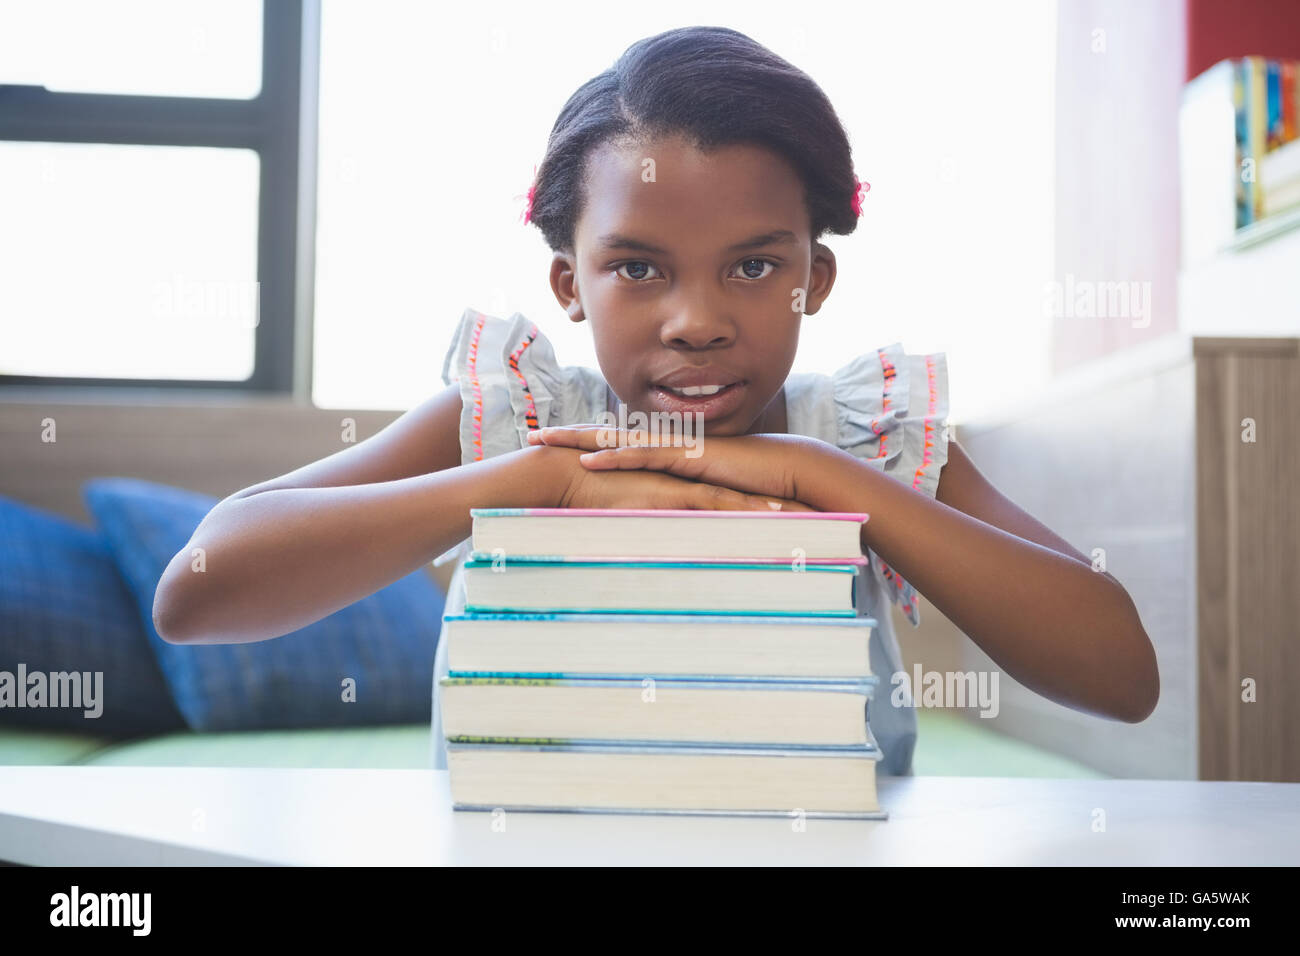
<point x="694" y="270"/>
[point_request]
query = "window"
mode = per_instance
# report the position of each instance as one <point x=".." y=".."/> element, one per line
<point x="149" y="191"/>
<point x="103" y="272"/>
<point x="199" y="48"/>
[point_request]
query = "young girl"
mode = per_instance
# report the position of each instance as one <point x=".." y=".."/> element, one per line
<point x="684" y="193"/>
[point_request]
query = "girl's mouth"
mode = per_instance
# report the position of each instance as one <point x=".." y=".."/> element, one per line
<point x="694" y="391"/>
<point x="709" y="400"/>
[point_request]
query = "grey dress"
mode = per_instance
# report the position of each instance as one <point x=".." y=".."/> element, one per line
<point x="886" y="406"/>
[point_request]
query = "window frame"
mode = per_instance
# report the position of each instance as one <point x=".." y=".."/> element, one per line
<point x="279" y="125"/>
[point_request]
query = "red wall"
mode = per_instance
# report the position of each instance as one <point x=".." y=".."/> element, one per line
<point x="1219" y="29"/>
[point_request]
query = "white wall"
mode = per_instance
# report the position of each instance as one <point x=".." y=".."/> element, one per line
<point x="433" y="116"/>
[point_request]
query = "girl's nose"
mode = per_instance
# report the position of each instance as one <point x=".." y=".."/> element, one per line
<point x="697" y="327"/>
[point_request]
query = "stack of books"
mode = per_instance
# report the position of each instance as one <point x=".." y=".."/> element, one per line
<point x="661" y="662"/>
<point x="1240" y="149"/>
<point x="1264" y="101"/>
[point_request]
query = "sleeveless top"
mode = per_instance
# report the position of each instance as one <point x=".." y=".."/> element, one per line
<point x="887" y="407"/>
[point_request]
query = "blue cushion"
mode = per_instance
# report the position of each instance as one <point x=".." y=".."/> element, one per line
<point x="65" y="609"/>
<point x="385" y="642"/>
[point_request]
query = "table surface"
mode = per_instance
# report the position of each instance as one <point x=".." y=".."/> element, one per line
<point x="92" y="816"/>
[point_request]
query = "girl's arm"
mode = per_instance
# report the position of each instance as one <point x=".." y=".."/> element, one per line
<point x="1029" y="600"/>
<point x="287" y="552"/>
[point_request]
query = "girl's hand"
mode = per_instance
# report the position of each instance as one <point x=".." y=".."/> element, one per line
<point x="582" y="487"/>
<point x="768" y="465"/>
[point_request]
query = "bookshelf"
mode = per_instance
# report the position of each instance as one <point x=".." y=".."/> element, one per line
<point x="1250" y="288"/>
<point x="1263" y="230"/>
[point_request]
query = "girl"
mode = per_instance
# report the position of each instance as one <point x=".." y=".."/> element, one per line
<point x="684" y="193"/>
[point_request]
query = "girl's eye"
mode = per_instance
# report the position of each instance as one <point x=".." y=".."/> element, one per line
<point x="636" y="271"/>
<point x="753" y="268"/>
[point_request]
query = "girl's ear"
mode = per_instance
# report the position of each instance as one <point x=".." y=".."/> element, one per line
<point x="564" y="283"/>
<point x="821" y="278"/>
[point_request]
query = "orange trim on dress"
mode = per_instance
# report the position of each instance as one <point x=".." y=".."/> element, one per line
<point x="929" y="423"/>
<point x="889" y="373"/>
<point x="472" y="368"/>
<point x="531" y="413"/>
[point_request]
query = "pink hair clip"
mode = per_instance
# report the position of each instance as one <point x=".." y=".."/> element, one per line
<point x="860" y="189"/>
<point x="527" y="214"/>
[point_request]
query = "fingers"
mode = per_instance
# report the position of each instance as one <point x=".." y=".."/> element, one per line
<point x="717" y="498"/>
<point x="788" y="504"/>
<point x="586" y="438"/>
<point x="633" y="457"/>
<point x="589" y="437"/>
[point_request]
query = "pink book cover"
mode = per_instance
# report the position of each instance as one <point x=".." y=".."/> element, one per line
<point x="663" y="512"/>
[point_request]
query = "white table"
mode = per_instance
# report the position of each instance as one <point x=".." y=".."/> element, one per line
<point x="185" y="815"/>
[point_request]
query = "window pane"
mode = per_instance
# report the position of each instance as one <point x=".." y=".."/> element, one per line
<point x="127" y="261"/>
<point x="143" y="47"/>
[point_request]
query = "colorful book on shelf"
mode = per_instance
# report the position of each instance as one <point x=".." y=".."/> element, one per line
<point x="787" y="713"/>
<point x="645" y="778"/>
<point x="553" y="534"/>
<point x="655" y="645"/>
<point x="1273" y="128"/>
<point x="1290" y="87"/>
<point x="1264" y="100"/>
<point x="1257" y="105"/>
<point x="1237" y="122"/>
<point x="1279" y="178"/>
<point x="1282" y="199"/>
<point x="1245" y="180"/>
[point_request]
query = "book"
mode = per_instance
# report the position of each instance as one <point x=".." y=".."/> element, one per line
<point x="667" y="587"/>
<point x="1274" y="128"/>
<point x="640" y="778"/>
<point x="1282" y="198"/>
<point x="1245" y="180"/>
<point x="758" y="713"/>
<point x="1290" y="81"/>
<point x="556" y="533"/>
<point x="567" y="645"/>
<point x="1280" y="168"/>
<point x="1257" y="122"/>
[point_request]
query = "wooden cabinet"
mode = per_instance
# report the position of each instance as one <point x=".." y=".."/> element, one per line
<point x="1248" y="558"/>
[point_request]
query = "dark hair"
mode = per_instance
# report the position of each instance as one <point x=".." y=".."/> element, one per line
<point x="715" y="86"/>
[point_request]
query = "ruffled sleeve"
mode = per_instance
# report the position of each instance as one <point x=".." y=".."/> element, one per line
<point x="510" y="382"/>
<point x="891" y="410"/>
